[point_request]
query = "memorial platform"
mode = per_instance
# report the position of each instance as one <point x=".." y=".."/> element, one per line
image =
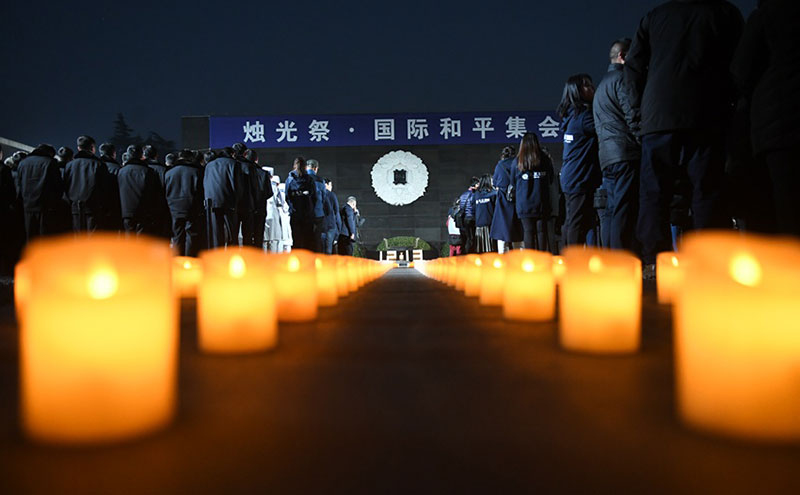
<point x="406" y="387"/>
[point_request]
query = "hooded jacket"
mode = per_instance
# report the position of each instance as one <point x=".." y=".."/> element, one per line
<point x="85" y="178"/>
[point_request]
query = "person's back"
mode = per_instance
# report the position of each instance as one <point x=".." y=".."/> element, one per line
<point x="83" y="180"/>
<point x="39" y="181"/>
<point x="580" y="171"/>
<point x="184" y="188"/>
<point x="532" y="190"/>
<point x="301" y="194"/>
<point x="140" y="195"/>
<point x="678" y="64"/>
<point x="220" y="180"/>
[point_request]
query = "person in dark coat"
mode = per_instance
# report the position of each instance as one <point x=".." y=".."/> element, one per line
<point x="262" y="189"/>
<point x="467" y="203"/>
<point x="333" y="220"/>
<point x="183" y="184"/>
<point x="347" y="236"/>
<point x="301" y="193"/>
<point x="319" y="207"/>
<point x="484" y="197"/>
<point x="108" y="154"/>
<point x="64" y="155"/>
<point x="247" y="198"/>
<point x="141" y="195"/>
<point x="532" y="175"/>
<point x="85" y="180"/>
<point x="150" y="154"/>
<point x="222" y="187"/>
<point x="678" y="72"/>
<point x="580" y="170"/>
<point x="765" y="71"/>
<point x="40" y="187"/>
<point x="506" y="227"/>
<point x="618" y="150"/>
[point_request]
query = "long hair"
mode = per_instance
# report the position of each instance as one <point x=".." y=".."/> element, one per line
<point x="300" y="166"/>
<point x="530" y="152"/>
<point x="571" y="97"/>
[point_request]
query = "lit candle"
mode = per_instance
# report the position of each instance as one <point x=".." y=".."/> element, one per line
<point x="493" y="277"/>
<point x="98" y="343"/>
<point x="295" y="276"/>
<point x="529" y="293"/>
<point x="22" y="287"/>
<point x="559" y="268"/>
<point x="600" y="301"/>
<point x="342" y="277"/>
<point x="472" y="275"/>
<point x="452" y="271"/>
<point x="186" y="275"/>
<point x="669" y="276"/>
<point x="461" y="272"/>
<point x="326" y="280"/>
<point x="737" y="335"/>
<point x="352" y="274"/>
<point x="235" y="302"/>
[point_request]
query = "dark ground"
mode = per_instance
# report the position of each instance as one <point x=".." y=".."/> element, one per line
<point x="407" y="387"/>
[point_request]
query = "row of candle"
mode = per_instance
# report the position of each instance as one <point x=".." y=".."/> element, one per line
<point x="99" y="320"/>
<point x="600" y="293"/>
<point x="736" y="305"/>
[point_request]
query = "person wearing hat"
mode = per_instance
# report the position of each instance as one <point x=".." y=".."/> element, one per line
<point x="85" y="178"/>
<point x="40" y="187"/>
<point x="140" y="194"/>
<point x="222" y="186"/>
<point x="184" y="190"/>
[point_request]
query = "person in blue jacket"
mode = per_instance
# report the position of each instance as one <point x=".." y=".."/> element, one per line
<point x="333" y="221"/>
<point x="506" y="227"/>
<point x="484" y="197"/>
<point x="312" y="166"/>
<point x="580" y="171"/>
<point x="531" y="176"/>
<point x="467" y="203"/>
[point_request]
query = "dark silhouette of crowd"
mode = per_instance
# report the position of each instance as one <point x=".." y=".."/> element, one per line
<point x="196" y="200"/>
<point x="693" y="127"/>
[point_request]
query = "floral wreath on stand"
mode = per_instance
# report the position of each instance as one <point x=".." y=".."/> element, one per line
<point x="399" y="178"/>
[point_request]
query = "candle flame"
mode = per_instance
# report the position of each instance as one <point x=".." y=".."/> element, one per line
<point x="559" y="260"/>
<point x="595" y="264"/>
<point x="498" y="263"/>
<point x="528" y="266"/>
<point x="237" y="267"/>
<point x="478" y="262"/>
<point x="674" y="261"/>
<point x="318" y="263"/>
<point x="294" y="264"/>
<point x="745" y="269"/>
<point x="187" y="265"/>
<point x="103" y="283"/>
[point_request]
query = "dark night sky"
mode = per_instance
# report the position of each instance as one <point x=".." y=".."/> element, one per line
<point x="71" y="66"/>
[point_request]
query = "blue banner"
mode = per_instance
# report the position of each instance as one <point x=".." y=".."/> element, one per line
<point x="300" y="131"/>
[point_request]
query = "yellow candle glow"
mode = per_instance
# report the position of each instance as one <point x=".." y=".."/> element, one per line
<point x="669" y="276"/>
<point x="493" y="277"/>
<point x="186" y="275"/>
<point x="98" y="343"/>
<point x="600" y="301"/>
<point x="737" y="335"/>
<point x="529" y="293"/>
<point x="22" y="287"/>
<point x="452" y="271"/>
<point x="352" y="274"/>
<point x="472" y="275"/>
<point x="327" y="280"/>
<point x="342" y="278"/>
<point x="461" y="272"/>
<point x="559" y="268"/>
<point x="235" y="302"/>
<point x="295" y="280"/>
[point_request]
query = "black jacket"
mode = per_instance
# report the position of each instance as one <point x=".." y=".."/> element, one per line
<point x="85" y="179"/>
<point x="222" y="183"/>
<point x="263" y="189"/>
<point x="184" y="190"/>
<point x="678" y="65"/>
<point x="160" y="169"/>
<point x="765" y="69"/>
<point x="348" y="221"/>
<point x="330" y="209"/>
<point x="615" y="120"/>
<point x="140" y="192"/>
<point x="39" y="183"/>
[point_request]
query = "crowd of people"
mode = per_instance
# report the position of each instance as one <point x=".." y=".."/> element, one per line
<point x="692" y="127"/>
<point x="195" y="199"/>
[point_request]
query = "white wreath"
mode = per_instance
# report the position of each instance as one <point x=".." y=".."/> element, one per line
<point x="383" y="178"/>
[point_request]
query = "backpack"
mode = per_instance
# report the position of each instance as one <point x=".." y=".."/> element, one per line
<point x="302" y="194"/>
<point x="459" y="214"/>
